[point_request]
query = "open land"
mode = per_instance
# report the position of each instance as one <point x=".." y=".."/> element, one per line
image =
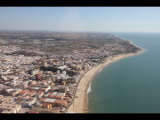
<point x="49" y="72"/>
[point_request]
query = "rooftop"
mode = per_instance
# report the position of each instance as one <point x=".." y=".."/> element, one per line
<point x="49" y="100"/>
<point x="54" y="96"/>
<point x="46" y="104"/>
<point x="40" y="92"/>
<point x="46" y="100"/>
<point x="60" y="101"/>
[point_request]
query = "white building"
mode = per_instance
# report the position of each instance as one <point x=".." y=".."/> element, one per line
<point x="10" y="108"/>
<point x="4" y="78"/>
<point x="33" y="72"/>
<point x="62" y="67"/>
<point x="64" y="73"/>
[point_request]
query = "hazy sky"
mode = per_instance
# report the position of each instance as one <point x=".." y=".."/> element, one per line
<point x="98" y="19"/>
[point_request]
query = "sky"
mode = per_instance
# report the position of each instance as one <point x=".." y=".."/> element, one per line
<point x="92" y="19"/>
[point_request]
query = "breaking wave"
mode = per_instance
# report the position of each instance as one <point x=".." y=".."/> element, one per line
<point x="89" y="88"/>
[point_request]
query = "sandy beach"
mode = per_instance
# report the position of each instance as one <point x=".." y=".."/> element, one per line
<point x="80" y="104"/>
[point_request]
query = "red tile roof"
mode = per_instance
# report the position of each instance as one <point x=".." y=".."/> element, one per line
<point x="33" y="91"/>
<point x="50" y="92"/>
<point x="25" y="91"/>
<point x="56" y="96"/>
<point x="29" y="88"/>
<point x="46" y="104"/>
<point x="60" y="101"/>
<point x="40" y="92"/>
<point x="42" y="89"/>
<point x="42" y="99"/>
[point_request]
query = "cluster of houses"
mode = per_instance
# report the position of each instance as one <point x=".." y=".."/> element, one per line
<point x="38" y="95"/>
<point x="48" y="86"/>
<point x="41" y="84"/>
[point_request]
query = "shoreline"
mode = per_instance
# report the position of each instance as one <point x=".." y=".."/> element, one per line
<point x="82" y="101"/>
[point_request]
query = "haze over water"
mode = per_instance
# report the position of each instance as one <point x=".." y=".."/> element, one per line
<point x="132" y="84"/>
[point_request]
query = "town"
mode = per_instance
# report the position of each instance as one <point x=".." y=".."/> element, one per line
<point x="40" y="71"/>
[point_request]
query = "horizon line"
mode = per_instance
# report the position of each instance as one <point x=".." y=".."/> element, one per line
<point x="72" y="31"/>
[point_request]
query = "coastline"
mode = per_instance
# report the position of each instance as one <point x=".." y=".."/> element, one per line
<point x="82" y="101"/>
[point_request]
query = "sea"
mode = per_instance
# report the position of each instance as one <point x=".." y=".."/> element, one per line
<point x="132" y="84"/>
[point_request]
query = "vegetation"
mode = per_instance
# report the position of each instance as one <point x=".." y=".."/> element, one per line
<point x="23" y="53"/>
<point x="53" y="42"/>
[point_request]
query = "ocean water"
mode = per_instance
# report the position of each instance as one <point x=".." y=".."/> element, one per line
<point x="132" y="84"/>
